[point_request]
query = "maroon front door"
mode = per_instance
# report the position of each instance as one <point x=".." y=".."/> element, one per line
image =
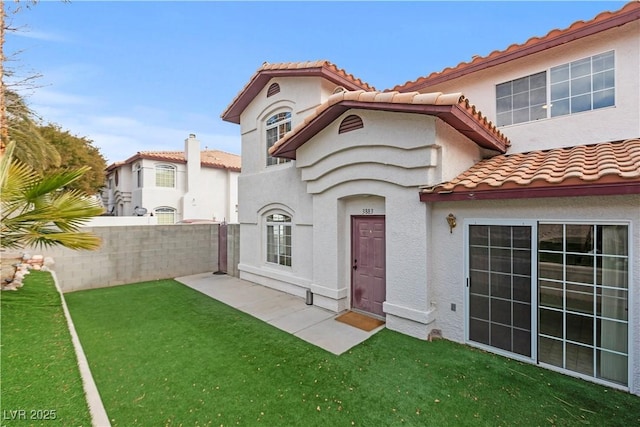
<point x="368" y="283"/>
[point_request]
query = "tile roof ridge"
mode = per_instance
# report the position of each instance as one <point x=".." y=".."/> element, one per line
<point x="322" y="63"/>
<point x="611" y="160"/>
<point x="215" y="150"/>
<point x="556" y="32"/>
<point x="322" y="68"/>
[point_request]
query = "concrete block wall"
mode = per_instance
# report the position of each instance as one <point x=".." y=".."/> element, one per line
<point x="133" y="254"/>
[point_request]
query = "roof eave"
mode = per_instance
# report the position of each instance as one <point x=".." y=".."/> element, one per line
<point x="590" y="189"/>
<point x="455" y="115"/>
<point x="219" y="166"/>
<point x="260" y="80"/>
<point x="622" y="18"/>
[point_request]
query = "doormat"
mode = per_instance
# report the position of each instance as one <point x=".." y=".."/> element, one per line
<point x="360" y="321"/>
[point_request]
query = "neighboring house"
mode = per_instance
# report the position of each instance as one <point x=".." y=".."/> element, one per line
<point x="515" y="229"/>
<point x="175" y="185"/>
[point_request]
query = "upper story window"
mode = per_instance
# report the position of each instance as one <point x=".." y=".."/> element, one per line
<point x="583" y="85"/>
<point x="137" y="174"/>
<point x="276" y="126"/>
<point x="522" y="100"/>
<point x="279" y="239"/>
<point x="165" y="176"/>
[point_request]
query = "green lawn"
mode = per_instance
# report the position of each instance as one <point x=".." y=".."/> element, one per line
<point x="40" y="381"/>
<point x="163" y="354"/>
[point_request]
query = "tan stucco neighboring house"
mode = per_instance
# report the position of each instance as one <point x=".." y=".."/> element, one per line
<point x="496" y="202"/>
<point x="175" y="186"/>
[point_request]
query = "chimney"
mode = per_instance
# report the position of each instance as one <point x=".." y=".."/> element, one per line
<point x="192" y="156"/>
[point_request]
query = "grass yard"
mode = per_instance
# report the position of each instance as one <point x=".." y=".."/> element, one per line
<point x="164" y="354"/>
<point x="40" y="381"/>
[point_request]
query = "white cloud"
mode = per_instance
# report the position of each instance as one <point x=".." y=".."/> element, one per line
<point x="46" y="97"/>
<point x="38" y="35"/>
<point x="120" y="137"/>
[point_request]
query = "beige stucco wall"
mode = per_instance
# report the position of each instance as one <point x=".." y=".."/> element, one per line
<point x="607" y="124"/>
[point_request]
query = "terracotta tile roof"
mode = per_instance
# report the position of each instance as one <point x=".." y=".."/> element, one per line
<point x="208" y="158"/>
<point x="268" y="71"/>
<point x="453" y="108"/>
<point x="605" y="168"/>
<point x="603" y="21"/>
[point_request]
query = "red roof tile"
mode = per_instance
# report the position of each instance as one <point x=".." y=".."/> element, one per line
<point x="268" y="71"/>
<point x="208" y="158"/>
<point x="605" y="168"/>
<point x="603" y="21"/>
<point x="453" y="108"/>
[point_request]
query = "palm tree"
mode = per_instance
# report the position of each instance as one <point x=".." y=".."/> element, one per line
<point x="37" y="211"/>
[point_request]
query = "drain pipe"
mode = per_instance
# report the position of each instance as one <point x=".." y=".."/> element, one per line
<point x="309" y="300"/>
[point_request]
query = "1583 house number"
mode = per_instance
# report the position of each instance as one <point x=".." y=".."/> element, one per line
<point x="367" y="211"/>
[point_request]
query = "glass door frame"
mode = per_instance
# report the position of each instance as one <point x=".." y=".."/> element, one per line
<point x="533" y="225"/>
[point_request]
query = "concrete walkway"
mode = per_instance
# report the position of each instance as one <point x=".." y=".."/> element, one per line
<point x="284" y="311"/>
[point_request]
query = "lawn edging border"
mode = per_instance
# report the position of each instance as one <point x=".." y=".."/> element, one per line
<point x="97" y="411"/>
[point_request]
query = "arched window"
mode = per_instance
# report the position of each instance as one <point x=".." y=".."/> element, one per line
<point x="165" y="176"/>
<point x="279" y="239"/>
<point x="165" y="215"/>
<point x="137" y="173"/>
<point x="276" y="126"/>
<point x="350" y="123"/>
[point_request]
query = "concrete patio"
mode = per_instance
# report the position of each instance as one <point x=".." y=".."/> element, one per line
<point x="284" y="311"/>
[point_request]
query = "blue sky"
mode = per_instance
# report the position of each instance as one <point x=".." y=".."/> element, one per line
<point x="139" y="76"/>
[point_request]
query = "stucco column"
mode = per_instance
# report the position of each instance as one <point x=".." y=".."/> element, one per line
<point x="407" y="307"/>
<point x="328" y="291"/>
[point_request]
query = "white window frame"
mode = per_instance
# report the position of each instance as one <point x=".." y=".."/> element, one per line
<point x="534" y="224"/>
<point x="276" y="126"/>
<point x="162" y="178"/>
<point x="534" y="280"/>
<point x="165" y="211"/>
<point x="138" y="174"/>
<point x="629" y="257"/>
<point x="284" y="226"/>
<point x="560" y="90"/>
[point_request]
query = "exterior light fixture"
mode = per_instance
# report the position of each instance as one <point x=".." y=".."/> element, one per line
<point x="451" y="220"/>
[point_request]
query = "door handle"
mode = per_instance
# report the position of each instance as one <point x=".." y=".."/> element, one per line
<point x="355" y="264"/>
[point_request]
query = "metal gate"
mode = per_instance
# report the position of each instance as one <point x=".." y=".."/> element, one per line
<point x="222" y="248"/>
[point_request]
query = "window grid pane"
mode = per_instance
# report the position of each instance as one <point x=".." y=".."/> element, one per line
<point x="583" y="85"/>
<point x="277" y="126"/>
<point x="279" y="239"/>
<point x="165" y="176"/>
<point x="500" y="287"/>
<point x="521" y="100"/>
<point x="165" y="215"/>
<point x="583" y="298"/>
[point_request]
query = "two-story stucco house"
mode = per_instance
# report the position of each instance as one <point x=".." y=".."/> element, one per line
<point x="175" y="185"/>
<point x="497" y="201"/>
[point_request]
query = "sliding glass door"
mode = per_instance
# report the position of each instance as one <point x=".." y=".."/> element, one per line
<point x="500" y="287"/>
<point x="557" y="293"/>
<point x="583" y="288"/>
